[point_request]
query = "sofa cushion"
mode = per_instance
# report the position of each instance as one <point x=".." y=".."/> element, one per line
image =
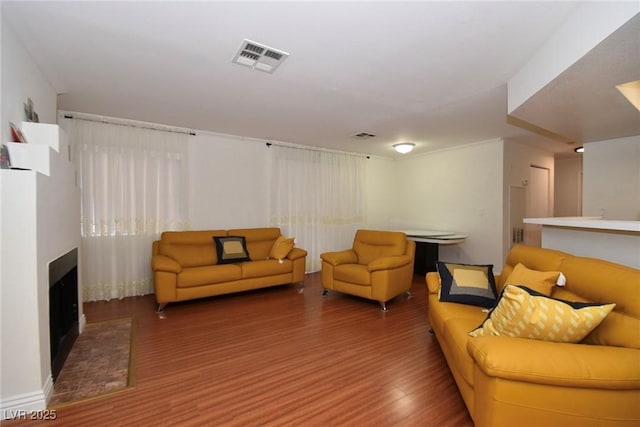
<point x="231" y="249"/>
<point x="265" y="267"/>
<point x="539" y="281"/>
<point x="467" y="284"/>
<point x="540" y="259"/>
<point x="212" y="274"/>
<point x="357" y="274"/>
<point x="190" y="248"/>
<point x="599" y="280"/>
<point x="441" y="312"/>
<point x="281" y="247"/>
<point x="524" y="313"/>
<point x="373" y="244"/>
<point x="259" y="240"/>
<point x="456" y="335"/>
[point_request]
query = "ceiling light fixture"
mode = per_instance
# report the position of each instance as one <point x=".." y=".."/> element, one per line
<point x="579" y="149"/>
<point x="404" y="147"/>
<point x="631" y="91"/>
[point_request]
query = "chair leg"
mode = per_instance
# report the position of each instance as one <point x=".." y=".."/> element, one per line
<point x="383" y="306"/>
<point x="409" y="294"/>
<point x="301" y="287"/>
<point x="325" y="292"/>
<point x="160" y="308"/>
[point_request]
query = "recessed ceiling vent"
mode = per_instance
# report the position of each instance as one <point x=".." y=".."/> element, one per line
<point x="259" y="57"/>
<point x="364" y="135"/>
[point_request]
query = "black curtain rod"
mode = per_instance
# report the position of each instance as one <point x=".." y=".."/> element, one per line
<point x="269" y="144"/>
<point x="70" y="116"/>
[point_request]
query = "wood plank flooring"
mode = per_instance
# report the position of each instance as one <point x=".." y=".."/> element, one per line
<point x="277" y="357"/>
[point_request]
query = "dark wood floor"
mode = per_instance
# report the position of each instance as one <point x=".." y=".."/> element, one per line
<point x="276" y="357"/>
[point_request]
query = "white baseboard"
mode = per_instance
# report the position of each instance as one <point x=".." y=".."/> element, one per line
<point x="82" y="322"/>
<point x="48" y="388"/>
<point x="24" y="404"/>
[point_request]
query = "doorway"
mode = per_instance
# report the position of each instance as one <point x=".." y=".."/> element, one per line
<point x="517" y="212"/>
<point x="538" y="203"/>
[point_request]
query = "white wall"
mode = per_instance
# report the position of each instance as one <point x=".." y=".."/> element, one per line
<point x="381" y="195"/>
<point x="38" y="223"/>
<point x="22" y="79"/>
<point x="458" y="190"/>
<point x="611" y="183"/>
<point x="228" y="182"/>
<point x="518" y="159"/>
<point x="568" y="186"/>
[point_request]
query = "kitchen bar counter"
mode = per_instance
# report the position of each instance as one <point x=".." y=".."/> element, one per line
<point x="612" y="240"/>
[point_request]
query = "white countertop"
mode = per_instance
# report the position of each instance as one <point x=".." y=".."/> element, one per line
<point x="587" y="222"/>
<point x="435" y="236"/>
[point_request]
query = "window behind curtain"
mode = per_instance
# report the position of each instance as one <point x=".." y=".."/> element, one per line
<point x="317" y="197"/>
<point x="133" y="187"/>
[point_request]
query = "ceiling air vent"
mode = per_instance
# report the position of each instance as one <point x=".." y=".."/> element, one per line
<point x="364" y="135"/>
<point x="259" y="57"/>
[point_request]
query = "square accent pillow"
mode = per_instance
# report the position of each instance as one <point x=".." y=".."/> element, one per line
<point x="281" y="248"/>
<point x="231" y="249"/>
<point x="467" y="284"/>
<point x="525" y="313"/>
<point x="540" y="281"/>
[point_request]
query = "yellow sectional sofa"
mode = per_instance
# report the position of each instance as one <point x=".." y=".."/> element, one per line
<point x="186" y="264"/>
<point x="513" y="381"/>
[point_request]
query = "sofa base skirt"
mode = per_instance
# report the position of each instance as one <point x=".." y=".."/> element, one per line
<point x="194" y="292"/>
<point x="499" y="402"/>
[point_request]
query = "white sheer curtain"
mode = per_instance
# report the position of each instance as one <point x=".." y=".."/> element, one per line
<point x="317" y="197"/>
<point x="133" y="187"/>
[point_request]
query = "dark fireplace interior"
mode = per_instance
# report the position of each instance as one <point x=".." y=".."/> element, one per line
<point x="63" y="308"/>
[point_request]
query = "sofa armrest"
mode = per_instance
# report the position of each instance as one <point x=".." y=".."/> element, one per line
<point x="388" y="263"/>
<point x="164" y="263"/>
<point x="347" y="256"/>
<point x="558" y="364"/>
<point x="433" y="282"/>
<point x="296" y="253"/>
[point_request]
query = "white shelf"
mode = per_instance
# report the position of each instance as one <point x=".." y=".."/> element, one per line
<point x="44" y="144"/>
<point x="30" y="156"/>
<point x="43" y="134"/>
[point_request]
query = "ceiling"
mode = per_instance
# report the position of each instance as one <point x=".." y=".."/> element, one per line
<point x="434" y="73"/>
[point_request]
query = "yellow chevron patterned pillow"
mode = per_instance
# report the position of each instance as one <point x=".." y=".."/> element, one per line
<point x="522" y="312"/>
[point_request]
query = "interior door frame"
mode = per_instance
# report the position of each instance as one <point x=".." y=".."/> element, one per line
<point x="533" y="232"/>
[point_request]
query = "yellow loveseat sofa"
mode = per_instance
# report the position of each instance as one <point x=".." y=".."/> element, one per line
<point x="186" y="264"/>
<point x="509" y="381"/>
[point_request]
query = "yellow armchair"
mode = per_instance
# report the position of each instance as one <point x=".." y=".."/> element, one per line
<point x="378" y="267"/>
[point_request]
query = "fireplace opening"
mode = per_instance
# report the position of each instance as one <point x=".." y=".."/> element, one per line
<point x="63" y="308"/>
